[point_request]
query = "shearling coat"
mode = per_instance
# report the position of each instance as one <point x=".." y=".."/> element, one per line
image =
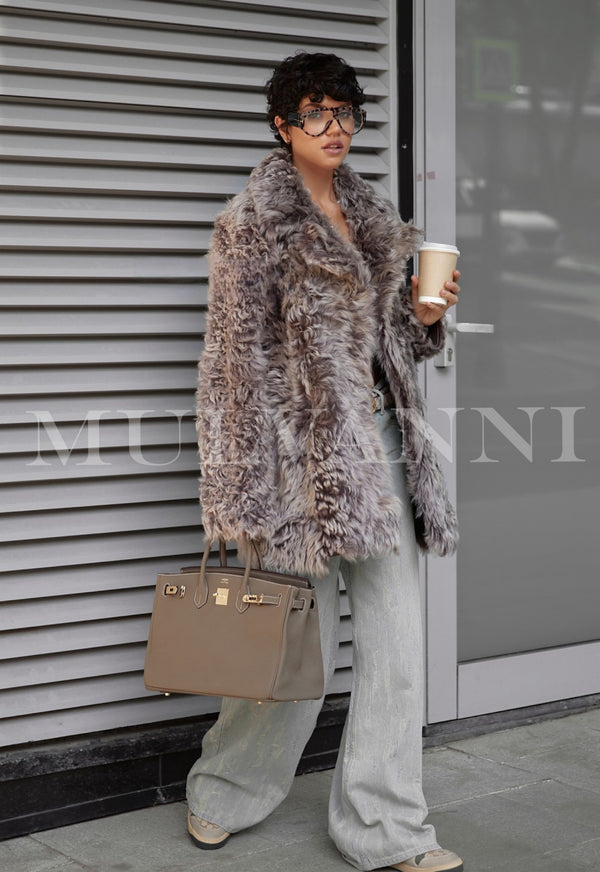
<point x="289" y="449"/>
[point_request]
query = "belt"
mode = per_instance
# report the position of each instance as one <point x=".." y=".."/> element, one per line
<point x="381" y="399"/>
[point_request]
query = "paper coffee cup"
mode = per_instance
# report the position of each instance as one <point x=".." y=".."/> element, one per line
<point x="437" y="263"/>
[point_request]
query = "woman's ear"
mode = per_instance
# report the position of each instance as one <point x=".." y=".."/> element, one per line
<point x="282" y="127"/>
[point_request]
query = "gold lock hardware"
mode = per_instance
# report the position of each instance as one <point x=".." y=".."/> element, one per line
<point x="171" y="590"/>
<point x="221" y="596"/>
<point x="253" y="598"/>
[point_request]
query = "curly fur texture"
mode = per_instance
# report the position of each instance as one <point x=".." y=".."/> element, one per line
<point x="289" y="448"/>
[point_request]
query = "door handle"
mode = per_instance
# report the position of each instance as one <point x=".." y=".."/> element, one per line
<point x="467" y="327"/>
<point x="446" y="356"/>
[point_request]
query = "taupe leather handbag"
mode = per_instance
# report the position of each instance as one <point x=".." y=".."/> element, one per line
<point x="234" y="631"/>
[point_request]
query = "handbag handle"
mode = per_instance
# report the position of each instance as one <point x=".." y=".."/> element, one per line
<point x="200" y="599"/>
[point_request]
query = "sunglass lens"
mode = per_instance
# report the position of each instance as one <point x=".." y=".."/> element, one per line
<point x="316" y="121"/>
<point x="359" y="119"/>
<point x="351" y="120"/>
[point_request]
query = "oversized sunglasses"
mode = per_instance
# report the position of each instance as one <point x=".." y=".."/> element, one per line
<point x="315" y="122"/>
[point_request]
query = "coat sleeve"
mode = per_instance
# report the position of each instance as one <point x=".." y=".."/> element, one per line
<point x="426" y="341"/>
<point x="403" y="239"/>
<point x="233" y="422"/>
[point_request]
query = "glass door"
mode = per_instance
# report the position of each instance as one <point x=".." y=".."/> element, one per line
<point x="528" y="192"/>
<point x="516" y="620"/>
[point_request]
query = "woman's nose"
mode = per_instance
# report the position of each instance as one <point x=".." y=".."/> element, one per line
<point x="332" y="127"/>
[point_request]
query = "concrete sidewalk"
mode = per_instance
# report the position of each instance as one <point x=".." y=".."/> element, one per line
<point x="527" y="798"/>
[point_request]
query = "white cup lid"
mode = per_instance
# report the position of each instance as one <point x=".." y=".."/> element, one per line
<point x="439" y="246"/>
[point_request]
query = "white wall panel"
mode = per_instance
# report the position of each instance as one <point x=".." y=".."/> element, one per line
<point x="124" y="132"/>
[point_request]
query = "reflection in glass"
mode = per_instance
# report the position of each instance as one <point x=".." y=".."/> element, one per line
<point x="528" y="196"/>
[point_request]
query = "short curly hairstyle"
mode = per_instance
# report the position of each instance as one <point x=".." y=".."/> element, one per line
<point x="309" y="75"/>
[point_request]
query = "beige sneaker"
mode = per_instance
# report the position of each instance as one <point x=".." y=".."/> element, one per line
<point x="204" y="834"/>
<point x="433" y="861"/>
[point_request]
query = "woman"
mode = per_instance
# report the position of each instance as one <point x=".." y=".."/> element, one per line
<point x="308" y="368"/>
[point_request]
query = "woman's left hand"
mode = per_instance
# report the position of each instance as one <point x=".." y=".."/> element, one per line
<point x="429" y="313"/>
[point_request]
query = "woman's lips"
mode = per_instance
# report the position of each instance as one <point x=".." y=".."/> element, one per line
<point x="334" y="147"/>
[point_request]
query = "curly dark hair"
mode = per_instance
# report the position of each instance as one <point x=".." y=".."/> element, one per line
<point x="309" y="75"/>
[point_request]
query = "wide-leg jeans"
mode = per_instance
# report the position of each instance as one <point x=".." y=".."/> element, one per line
<point x="249" y="757"/>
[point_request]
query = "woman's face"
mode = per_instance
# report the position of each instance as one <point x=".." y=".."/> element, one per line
<point x="324" y="152"/>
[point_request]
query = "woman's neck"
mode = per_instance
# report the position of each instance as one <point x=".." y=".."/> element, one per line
<point x="319" y="183"/>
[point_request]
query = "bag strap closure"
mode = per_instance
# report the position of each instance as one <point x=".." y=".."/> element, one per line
<point x="201" y="593"/>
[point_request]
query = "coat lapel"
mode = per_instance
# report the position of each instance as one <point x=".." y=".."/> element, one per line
<point x="294" y="226"/>
<point x="384" y="241"/>
<point x="291" y="220"/>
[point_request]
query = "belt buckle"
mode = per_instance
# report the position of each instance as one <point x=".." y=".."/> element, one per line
<point x="377" y="400"/>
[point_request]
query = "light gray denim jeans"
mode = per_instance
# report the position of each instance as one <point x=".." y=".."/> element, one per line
<point x="376" y="808"/>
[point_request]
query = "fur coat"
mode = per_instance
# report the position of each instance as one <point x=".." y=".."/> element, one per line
<point x="289" y="449"/>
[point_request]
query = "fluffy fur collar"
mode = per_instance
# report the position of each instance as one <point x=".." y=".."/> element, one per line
<point x="290" y="219"/>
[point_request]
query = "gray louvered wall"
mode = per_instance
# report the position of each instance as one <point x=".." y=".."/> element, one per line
<point x="125" y="127"/>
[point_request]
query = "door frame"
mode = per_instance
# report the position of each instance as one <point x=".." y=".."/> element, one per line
<point x="434" y="199"/>
<point x="459" y="690"/>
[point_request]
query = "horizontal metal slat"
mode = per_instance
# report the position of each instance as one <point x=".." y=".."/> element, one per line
<point x="39" y="727"/>
<point x="106" y="151"/>
<point x="111" y="180"/>
<point x="341" y="681"/>
<point x="134" y="432"/>
<point x="141" y="294"/>
<point x="138" y="124"/>
<point x="56" y="611"/>
<point x="21" y="410"/>
<point x="26" y="86"/>
<point x="344" y="656"/>
<point x="40" y="495"/>
<point x="251" y="22"/>
<point x="98" y="465"/>
<point x="99" y="265"/>
<point x="53" y="668"/>
<point x="355" y="8"/>
<point x="65" y="380"/>
<point x="90" y="578"/>
<point x="130" y="349"/>
<point x="101" y="429"/>
<point x="118" y="210"/>
<point x="73" y="637"/>
<point x="90" y="322"/>
<point x="78" y="465"/>
<point x="39" y="526"/>
<point x="345" y="629"/>
<point x="69" y="694"/>
<point x="82" y="466"/>
<point x="65" y="236"/>
<point x="103" y="549"/>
